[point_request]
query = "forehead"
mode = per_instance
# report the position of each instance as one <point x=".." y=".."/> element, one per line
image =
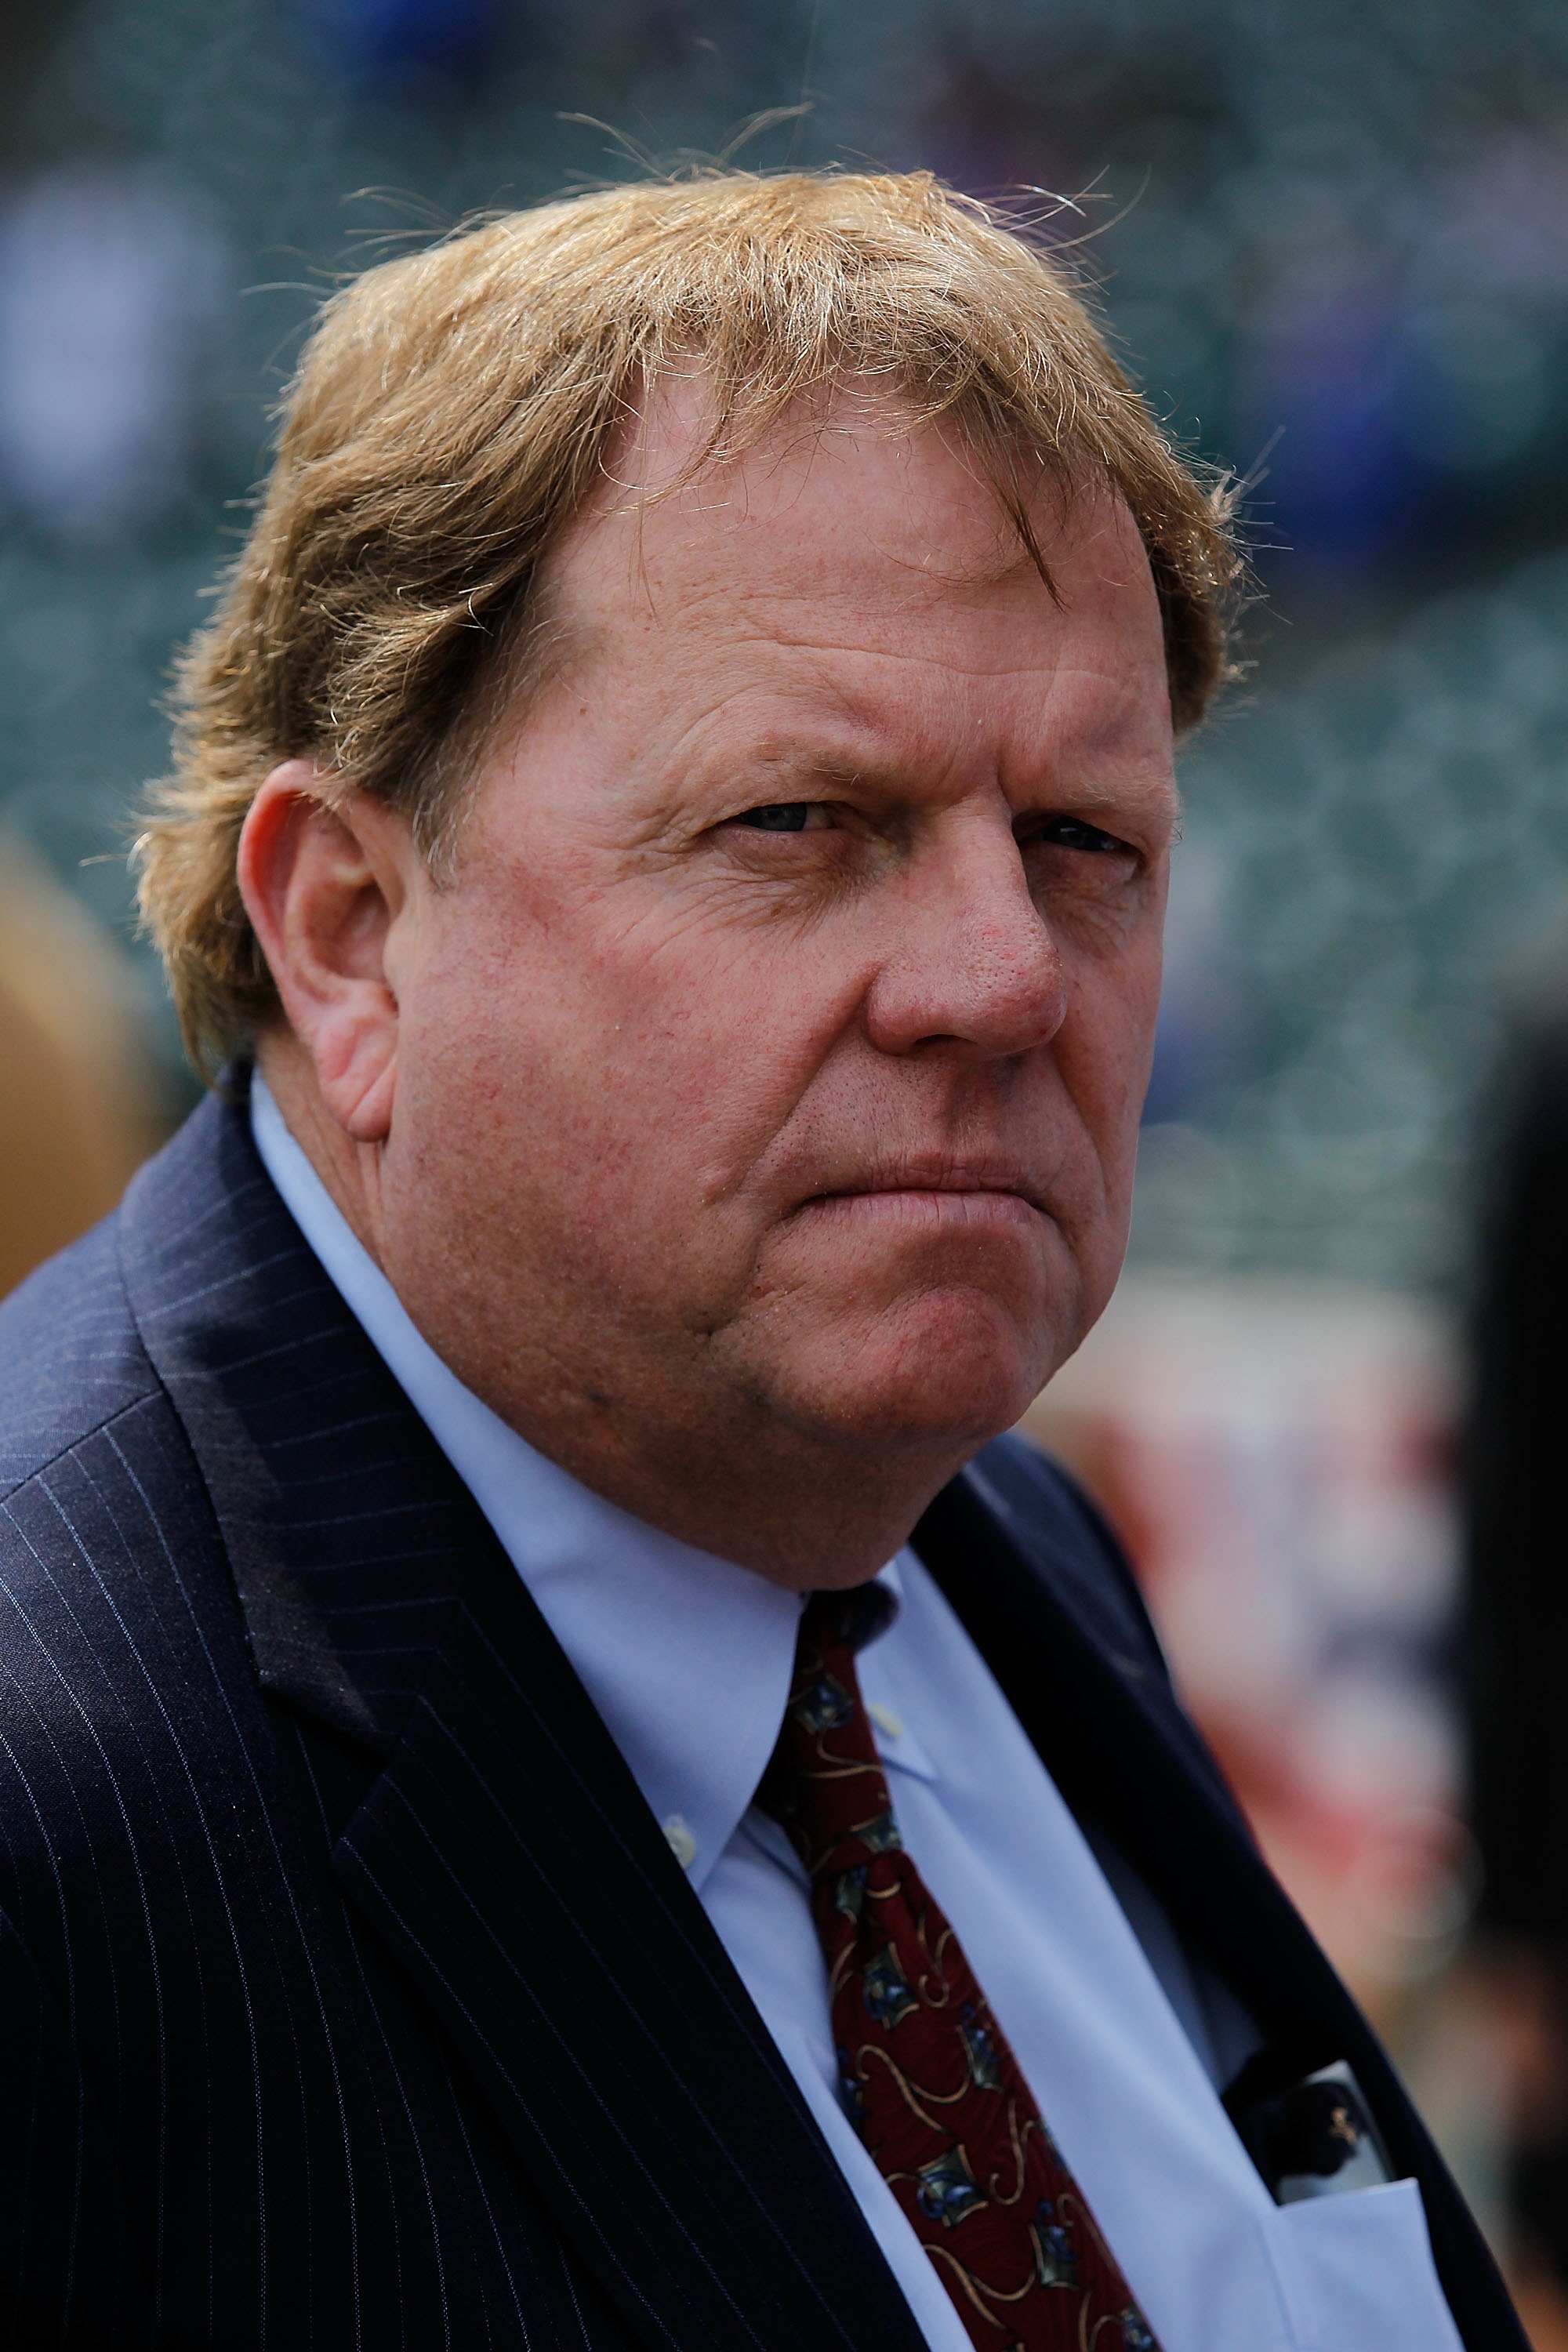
<point x="852" y="540"/>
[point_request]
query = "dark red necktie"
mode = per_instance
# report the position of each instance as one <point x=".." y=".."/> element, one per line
<point x="934" y="2091"/>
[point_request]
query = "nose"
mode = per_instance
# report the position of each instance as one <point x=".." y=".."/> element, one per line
<point x="972" y="965"/>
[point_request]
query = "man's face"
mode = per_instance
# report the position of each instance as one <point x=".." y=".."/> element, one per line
<point x="773" y="1061"/>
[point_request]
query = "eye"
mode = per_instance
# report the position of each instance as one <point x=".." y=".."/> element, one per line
<point x="785" y="816"/>
<point x="1072" y="833"/>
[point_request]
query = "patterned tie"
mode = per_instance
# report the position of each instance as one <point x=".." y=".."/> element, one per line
<point x="934" y="2091"/>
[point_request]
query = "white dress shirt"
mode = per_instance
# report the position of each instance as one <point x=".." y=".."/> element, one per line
<point x="689" y="1659"/>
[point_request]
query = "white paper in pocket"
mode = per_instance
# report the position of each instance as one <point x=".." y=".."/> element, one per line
<point x="1356" y="2272"/>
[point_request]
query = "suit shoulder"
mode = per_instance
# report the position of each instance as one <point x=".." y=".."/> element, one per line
<point x="1059" y="1523"/>
<point x="117" y="1606"/>
<point x="1036" y="1483"/>
<point x="71" y="1359"/>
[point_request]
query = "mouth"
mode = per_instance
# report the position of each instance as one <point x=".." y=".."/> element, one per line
<point x="945" y="1193"/>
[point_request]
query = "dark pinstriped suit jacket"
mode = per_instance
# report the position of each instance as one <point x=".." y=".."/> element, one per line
<point x="349" y="1994"/>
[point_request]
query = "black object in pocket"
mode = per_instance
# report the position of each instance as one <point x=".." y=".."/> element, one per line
<point x="1308" y="2135"/>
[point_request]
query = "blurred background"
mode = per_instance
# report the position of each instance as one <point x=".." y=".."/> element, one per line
<point x="1332" y="240"/>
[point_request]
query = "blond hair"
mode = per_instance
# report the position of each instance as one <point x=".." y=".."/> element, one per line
<point x="449" y="417"/>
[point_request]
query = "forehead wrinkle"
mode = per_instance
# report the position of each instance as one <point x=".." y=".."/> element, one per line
<point x="928" y="657"/>
<point x="846" y="677"/>
<point x="1051" y="655"/>
<point x="897" y="606"/>
<point x="883" y="589"/>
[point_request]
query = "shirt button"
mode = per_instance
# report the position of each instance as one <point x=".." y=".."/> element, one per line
<point x="884" y="1720"/>
<point x="681" y="1842"/>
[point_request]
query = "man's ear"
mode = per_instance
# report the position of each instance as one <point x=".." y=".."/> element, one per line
<point x="325" y="889"/>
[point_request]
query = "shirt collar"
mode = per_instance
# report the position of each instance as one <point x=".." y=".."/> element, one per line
<point x="686" y="1658"/>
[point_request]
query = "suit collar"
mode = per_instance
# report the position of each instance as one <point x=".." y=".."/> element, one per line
<point x="501" y="1848"/>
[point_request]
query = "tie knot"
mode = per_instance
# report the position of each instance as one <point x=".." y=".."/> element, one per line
<point x="825" y="1784"/>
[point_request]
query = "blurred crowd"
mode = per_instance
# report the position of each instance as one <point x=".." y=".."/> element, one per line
<point x="1332" y="241"/>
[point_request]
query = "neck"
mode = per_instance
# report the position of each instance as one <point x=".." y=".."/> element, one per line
<point x="348" y="1170"/>
<point x="799" y="1513"/>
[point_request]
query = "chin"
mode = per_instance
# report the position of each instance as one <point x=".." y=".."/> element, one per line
<point x="944" y="1374"/>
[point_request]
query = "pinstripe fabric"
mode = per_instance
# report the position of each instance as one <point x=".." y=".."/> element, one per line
<point x="351" y="1994"/>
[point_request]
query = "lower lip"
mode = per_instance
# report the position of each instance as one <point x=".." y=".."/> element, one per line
<point x="933" y="1211"/>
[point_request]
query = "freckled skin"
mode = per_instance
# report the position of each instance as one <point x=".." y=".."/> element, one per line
<point x="761" y="1170"/>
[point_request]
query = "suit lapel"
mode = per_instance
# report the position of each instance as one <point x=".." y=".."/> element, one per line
<point x="509" y="1859"/>
<point x="502" y="1847"/>
<point x="1081" y="1673"/>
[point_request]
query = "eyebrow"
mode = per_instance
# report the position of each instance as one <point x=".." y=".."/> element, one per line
<point x="822" y="767"/>
<point x="796" y="770"/>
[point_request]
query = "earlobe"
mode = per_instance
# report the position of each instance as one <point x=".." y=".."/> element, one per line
<point x="360" y="1093"/>
<point x="323" y="887"/>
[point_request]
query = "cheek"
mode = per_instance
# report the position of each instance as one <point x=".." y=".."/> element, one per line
<point x="1105" y="1049"/>
<point x="634" y="1066"/>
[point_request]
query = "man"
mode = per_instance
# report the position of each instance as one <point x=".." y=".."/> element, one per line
<point x="546" y="1805"/>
